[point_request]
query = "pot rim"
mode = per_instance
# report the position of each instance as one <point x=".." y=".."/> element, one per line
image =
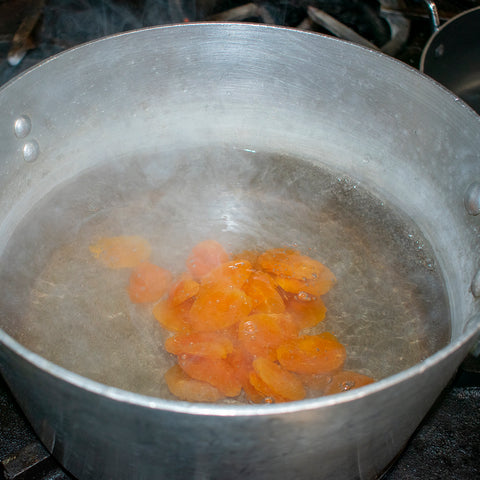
<point x="427" y="48"/>
<point x="236" y="24"/>
<point x="222" y="410"/>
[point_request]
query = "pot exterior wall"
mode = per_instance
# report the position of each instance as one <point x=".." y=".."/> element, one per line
<point x="452" y="56"/>
<point x="96" y="437"/>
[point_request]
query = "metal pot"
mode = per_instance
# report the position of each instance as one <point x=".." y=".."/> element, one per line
<point x="452" y="56"/>
<point x="373" y="122"/>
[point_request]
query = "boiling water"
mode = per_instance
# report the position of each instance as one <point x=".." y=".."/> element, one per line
<point x="388" y="307"/>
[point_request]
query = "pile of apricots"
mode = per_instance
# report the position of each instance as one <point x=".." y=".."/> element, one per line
<point x="237" y="322"/>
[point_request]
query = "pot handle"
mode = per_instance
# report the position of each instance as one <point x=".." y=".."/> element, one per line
<point x="432" y="7"/>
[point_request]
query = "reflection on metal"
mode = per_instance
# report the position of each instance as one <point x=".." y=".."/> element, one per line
<point x="472" y="199"/>
<point x="31" y="150"/>
<point x="22" y="126"/>
<point x="432" y="7"/>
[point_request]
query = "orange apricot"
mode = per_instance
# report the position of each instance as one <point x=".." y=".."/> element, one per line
<point x="278" y="379"/>
<point x="232" y="273"/>
<point x="312" y="354"/>
<point x="174" y="318"/>
<point x="261" y="391"/>
<point x="253" y="395"/>
<point x="204" y="344"/>
<point x="216" y="372"/>
<point x="315" y="383"/>
<point x="241" y="363"/>
<point x="204" y="257"/>
<point x="270" y="259"/>
<point x="306" y="314"/>
<point x="183" y="289"/>
<point x="262" y="290"/>
<point x="261" y="333"/>
<point x="188" y="389"/>
<point x="328" y="336"/>
<point x="217" y="307"/>
<point x="148" y="283"/>
<point x="291" y="264"/>
<point x="236" y="321"/>
<point x="346" y="380"/>
<point x="121" y="252"/>
<point x="306" y="290"/>
<point x="248" y="255"/>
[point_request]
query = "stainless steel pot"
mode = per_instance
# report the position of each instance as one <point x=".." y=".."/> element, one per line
<point x="452" y="56"/>
<point x="338" y="106"/>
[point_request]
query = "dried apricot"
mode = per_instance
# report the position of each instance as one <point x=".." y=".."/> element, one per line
<point x="183" y="289"/>
<point x="241" y="363"/>
<point x="217" y="307"/>
<point x="216" y="372"/>
<point x="148" y="283"/>
<point x="204" y="257"/>
<point x="278" y="379"/>
<point x="232" y="273"/>
<point x="253" y="395"/>
<point x="346" y="380"/>
<point x="291" y="264"/>
<point x="260" y="334"/>
<point x="262" y="290"/>
<point x="174" y="318"/>
<point x="237" y="321"/>
<point x="315" y="383"/>
<point x="328" y="336"/>
<point x="121" y="252"/>
<point x="204" y="344"/>
<point x="312" y="354"/>
<point x="306" y="289"/>
<point x="306" y="314"/>
<point x="188" y="389"/>
<point x="263" y="390"/>
<point x="249" y="255"/>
